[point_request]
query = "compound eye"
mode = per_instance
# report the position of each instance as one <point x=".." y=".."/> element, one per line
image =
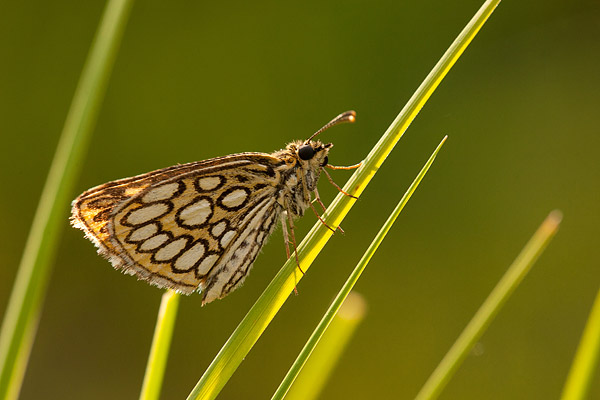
<point x="306" y="152"/>
<point x="325" y="161"/>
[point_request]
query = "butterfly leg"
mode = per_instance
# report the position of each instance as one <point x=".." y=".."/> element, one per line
<point x="336" y="185"/>
<point x="291" y="223"/>
<point x="340" y="167"/>
<point x="321" y="219"/>
<point x="286" y="239"/>
<point x="318" y="199"/>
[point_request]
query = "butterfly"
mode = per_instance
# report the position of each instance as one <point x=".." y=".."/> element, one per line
<point x="200" y="226"/>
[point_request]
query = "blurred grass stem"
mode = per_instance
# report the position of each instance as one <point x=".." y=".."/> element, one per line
<point x="490" y="308"/>
<point x="320" y="364"/>
<point x="24" y="307"/>
<point x="586" y="359"/>
<point x="159" y="351"/>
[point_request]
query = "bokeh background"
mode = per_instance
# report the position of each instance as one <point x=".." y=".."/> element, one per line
<point x="195" y="80"/>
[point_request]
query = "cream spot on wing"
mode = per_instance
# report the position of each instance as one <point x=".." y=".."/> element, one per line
<point x="209" y="183"/>
<point x="234" y="199"/>
<point x="143" y="233"/>
<point x="190" y="257"/>
<point x="163" y="192"/>
<point x="227" y="238"/>
<point x="260" y="236"/>
<point x="132" y="191"/>
<point x="195" y="213"/>
<point x="207" y="264"/>
<point x="147" y="213"/>
<point x="218" y="229"/>
<point x="171" y="250"/>
<point x="154" y="242"/>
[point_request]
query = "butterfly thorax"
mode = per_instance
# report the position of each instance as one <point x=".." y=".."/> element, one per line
<point x="299" y="177"/>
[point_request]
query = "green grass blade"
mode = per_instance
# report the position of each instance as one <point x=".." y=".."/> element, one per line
<point x="159" y="351"/>
<point x="586" y="358"/>
<point x="271" y="300"/>
<point x="22" y="314"/>
<point x="490" y="307"/>
<point x="320" y="364"/>
<point x="351" y="281"/>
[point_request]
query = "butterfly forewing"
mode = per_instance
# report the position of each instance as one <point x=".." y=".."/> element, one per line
<point x="198" y="225"/>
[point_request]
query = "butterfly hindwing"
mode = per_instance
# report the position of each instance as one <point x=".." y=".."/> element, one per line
<point x="197" y="225"/>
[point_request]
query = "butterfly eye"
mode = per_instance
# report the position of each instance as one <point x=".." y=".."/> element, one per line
<point x="306" y="152"/>
<point x="325" y="161"/>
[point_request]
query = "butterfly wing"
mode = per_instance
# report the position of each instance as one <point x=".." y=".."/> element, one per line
<point x="187" y="227"/>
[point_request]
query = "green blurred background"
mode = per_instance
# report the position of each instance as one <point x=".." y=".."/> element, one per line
<point x="195" y="80"/>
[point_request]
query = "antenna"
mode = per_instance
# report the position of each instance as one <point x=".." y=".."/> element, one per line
<point x="348" y="116"/>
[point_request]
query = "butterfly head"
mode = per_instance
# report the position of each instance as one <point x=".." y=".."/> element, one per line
<point x="311" y="154"/>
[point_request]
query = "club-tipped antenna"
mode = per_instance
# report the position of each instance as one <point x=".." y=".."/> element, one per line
<point x="348" y="116"/>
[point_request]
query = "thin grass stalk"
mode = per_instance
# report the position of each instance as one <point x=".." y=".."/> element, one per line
<point x="159" y="350"/>
<point x="490" y="307"/>
<point x="319" y="366"/>
<point x="271" y="300"/>
<point x="351" y="281"/>
<point x="24" y="306"/>
<point x="586" y="359"/>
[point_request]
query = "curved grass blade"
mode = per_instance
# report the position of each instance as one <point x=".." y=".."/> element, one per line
<point x="322" y="361"/>
<point x="586" y="359"/>
<point x="490" y="307"/>
<point x="159" y="350"/>
<point x="24" y="306"/>
<point x="351" y="281"/>
<point x="271" y="300"/>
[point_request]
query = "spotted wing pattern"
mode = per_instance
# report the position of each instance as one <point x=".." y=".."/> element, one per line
<point x="187" y="227"/>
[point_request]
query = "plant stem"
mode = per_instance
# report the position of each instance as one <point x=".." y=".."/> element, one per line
<point x="490" y="307"/>
<point x="351" y="281"/>
<point x="271" y="300"/>
<point x="159" y="351"/>
<point x="24" y="306"/>
<point x="319" y="365"/>
<point x="586" y="358"/>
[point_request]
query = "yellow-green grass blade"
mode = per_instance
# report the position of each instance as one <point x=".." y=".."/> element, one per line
<point x="490" y="307"/>
<point x="320" y="364"/>
<point x="586" y="359"/>
<point x="24" y="306"/>
<point x="271" y="300"/>
<point x="159" y="350"/>
<point x="350" y="282"/>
